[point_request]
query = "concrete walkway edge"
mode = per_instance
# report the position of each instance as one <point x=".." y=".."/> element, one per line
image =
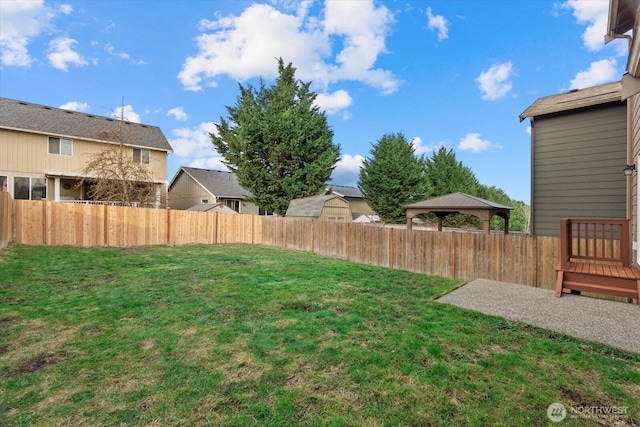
<point x="616" y="324"/>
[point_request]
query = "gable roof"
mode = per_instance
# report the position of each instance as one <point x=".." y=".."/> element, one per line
<point x="219" y="183"/>
<point x="346" y="191"/>
<point x="457" y="201"/>
<point x="602" y="94"/>
<point x="309" y="206"/>
<point x="25" y="116"/>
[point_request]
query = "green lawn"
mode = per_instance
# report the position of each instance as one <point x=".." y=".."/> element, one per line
<point x="247" y="335"/>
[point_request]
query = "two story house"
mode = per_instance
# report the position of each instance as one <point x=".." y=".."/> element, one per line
<point x="43" y="149"/>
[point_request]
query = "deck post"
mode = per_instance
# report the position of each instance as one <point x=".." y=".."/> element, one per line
<point x="566" y="241"/>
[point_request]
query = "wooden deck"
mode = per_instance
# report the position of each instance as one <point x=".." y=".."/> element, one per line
<point x="596" y="258"/>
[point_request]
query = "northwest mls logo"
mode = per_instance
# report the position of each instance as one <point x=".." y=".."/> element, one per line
<point x="556" y="412"/>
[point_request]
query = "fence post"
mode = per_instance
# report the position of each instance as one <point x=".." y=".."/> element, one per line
<point x="167" y="236"/>
<point x="6" y="217"/>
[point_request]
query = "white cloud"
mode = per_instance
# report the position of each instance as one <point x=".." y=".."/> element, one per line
<point x="347" y="171"/>
<point x="595" y="14"/>
<point x="245" y="46"/>
<point x="66" y="9"/>
<point x="528" y="130"/>
<point x="495" y="83"/>
<point x="82" y="107"/>
<point x="195" y="148"/>
<point x="126" y="112"/>
<point x="20" y="22"/>
<point x="332" y="103"/>
<point x="112" y="51"/>
<point x="61" y="53"/>
<point x="419" y="149"/>
<point x="178" y="113"/>
<point x="473" y="142"/>
<point x="438" y="22"/>
<point x="603" y="71"/>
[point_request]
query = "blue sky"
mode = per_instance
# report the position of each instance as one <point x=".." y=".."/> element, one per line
<point x="445" y="73"/>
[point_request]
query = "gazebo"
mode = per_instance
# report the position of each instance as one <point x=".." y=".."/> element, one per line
<point x="460" y="203"/>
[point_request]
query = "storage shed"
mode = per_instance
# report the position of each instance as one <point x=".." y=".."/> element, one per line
<point x="578" y="156"/>
<point x="328" y="207"/>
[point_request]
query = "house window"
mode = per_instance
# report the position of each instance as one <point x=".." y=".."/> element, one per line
<point x="3" y="181"/>
<point x="335" y="218"/>
<point x="25" y="188"/>
<point x="233" y="204"/>
<point x="141" y="155"/>
<point x="205" y="201"/>
<point x="264" y="212"/>
<point x="60" y="146"/>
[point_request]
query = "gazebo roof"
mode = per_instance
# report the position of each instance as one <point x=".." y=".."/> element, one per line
<point x="457" y="202"/>
<point x="460" y="203"/>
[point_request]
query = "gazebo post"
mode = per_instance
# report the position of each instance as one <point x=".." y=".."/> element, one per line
<point x="439" y="223"/>
<point x="506" y="225"/>
<point x="487" y="226"/>
<point x="409" y="222"/>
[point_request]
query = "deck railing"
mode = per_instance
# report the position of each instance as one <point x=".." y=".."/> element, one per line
<point x="595" y="240"/>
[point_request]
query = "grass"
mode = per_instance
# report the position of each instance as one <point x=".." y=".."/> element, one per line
<point x="245" y="335"/>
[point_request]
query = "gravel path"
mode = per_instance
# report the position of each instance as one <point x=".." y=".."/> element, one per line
<point x="613" y="323"/>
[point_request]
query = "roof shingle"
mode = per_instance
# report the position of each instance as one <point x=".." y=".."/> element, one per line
<point x="65" y="123"/>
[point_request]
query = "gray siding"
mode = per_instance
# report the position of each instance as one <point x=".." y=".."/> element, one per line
<point x="578" y="160"/>
<point x="635" y="142"/>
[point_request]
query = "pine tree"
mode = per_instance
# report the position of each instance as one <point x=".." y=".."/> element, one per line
<point x="392" y="178"/>
<point x="277" y="142"/>
<point x="447" y="175"/>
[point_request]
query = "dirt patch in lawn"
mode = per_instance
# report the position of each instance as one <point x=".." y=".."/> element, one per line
<point x="39" y="362"/>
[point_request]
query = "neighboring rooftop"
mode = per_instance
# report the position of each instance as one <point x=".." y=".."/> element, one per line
<point x="20" y="115"/>
<point x="602" y="94"/>
<point x="345" y="191"/>
<point x="309" y="206"/>
<point x="219" y="183"/>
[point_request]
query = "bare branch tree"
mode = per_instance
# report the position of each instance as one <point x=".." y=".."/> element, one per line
<point x="114" y="176"/>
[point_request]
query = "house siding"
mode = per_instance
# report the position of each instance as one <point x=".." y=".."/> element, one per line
<point x="635" y="152"/>
<point x="27" y="154"/>
<point x="577" y="163"/>
<point x="186" y="192"/>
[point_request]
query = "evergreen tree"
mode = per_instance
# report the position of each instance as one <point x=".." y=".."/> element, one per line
<point x="277" y="142"/>
<point x="392" y="178"/>
<point x="445" y="174"/>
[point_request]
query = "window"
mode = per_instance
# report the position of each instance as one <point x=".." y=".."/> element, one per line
<point x="60" y="146"/>
<point x="25" y="188"/>
<point x="233" y="204"/>
<point x="335" y="218"/>
<point x="264" y="212"/>
<point x="3" y="181"/>
<point x="205" y="201"/>
<point x="141" y="155"/>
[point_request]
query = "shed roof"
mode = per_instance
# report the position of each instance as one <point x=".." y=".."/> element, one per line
<point x="602" y="94"/>
<point x="309" y="206"/>
<point x="219" y="183"/>
<point x="20" y="115"/>
<point x="456" y="202"/>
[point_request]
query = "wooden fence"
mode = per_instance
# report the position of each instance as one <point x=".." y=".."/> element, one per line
<point x="71" y="224"/>
<point x="5" y="217"/>
<point x="523" y="259"/>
